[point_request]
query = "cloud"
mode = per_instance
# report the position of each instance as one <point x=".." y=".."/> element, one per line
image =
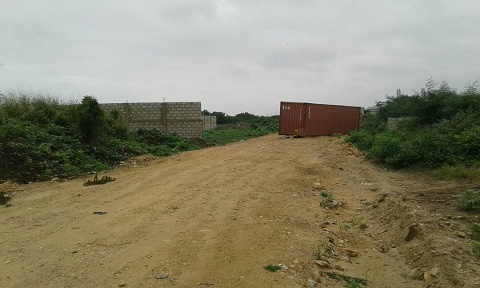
<point x="237" y="56"/>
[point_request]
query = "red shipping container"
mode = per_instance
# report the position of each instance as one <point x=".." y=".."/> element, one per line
<point x="308" y="119"/>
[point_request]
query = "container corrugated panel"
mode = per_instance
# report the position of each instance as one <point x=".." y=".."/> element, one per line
<point x="292" y="119"/>
<point x="307" y="119"/>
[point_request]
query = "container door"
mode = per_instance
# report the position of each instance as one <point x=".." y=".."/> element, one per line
<point x="292" y="119"/>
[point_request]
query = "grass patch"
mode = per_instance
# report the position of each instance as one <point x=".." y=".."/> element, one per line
<point x="328" y="201"/>
<point x="220" y="137"/>
<point x="351" y="282"/>
<point x="476" y="251"/>
<point x="457" y="172"/>
<point x="272" y="268"/>
<point x="475" y="228"/>
<point x="417" y="276"/>
<point x="471" y="201"/>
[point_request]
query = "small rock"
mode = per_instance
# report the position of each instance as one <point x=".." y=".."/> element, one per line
<point x="427" y="276"/>
<point x="351" y="252"/>
<point x="367" y="184"/>
<point x="322" y="264"/>
<point x="412" y="233"/>
<point x="462" y="235"/>
<point x="340" y="268"/>
<point x="123" y="284"/>
<point x="311" y="283"/>
<point x="434" y="272"/>
<point x="55" y="179"/>
<point x="363" y="226"/>
<point x="161" y="276"/>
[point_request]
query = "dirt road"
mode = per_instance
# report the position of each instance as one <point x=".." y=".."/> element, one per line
<point x="216" y="217"/>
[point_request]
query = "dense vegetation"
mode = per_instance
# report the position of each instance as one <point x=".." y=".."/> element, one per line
<point x="441" y="127"/>
<point x="41" y="138"/>
<point x="223" y="118"/>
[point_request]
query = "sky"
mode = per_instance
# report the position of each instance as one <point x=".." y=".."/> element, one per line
<point x="237" y="56"/>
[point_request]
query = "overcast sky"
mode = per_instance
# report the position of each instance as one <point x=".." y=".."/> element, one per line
<point x="237" y="56"/>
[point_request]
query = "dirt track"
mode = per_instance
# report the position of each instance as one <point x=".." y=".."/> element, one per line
<point x="216" y="217"/>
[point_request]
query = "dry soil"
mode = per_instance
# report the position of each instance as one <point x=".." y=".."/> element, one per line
<point x="216" y="217"/>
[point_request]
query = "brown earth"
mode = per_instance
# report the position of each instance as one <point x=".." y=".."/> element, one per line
<point x="216" y="217"/>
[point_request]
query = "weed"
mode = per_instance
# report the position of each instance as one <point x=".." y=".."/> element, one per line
<point x="352" y="282"/>
<point x="272" y="268"/>
<point x="318" y="254"/>
<point x="471" y="200"/>
<point x="417" y="276"/>
<point x="475" y="228"/>
<point x="476" y="251"/>
<point x="328" y="202"/>
<point x="4" y="198"/>
<point x="345" y="226"/>
<point x="96" y="181"/>
<point x="354" y="221"/>
<point x="457" y="172"/>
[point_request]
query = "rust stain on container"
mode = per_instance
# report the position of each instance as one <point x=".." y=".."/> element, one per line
<point x="308" y="119"/>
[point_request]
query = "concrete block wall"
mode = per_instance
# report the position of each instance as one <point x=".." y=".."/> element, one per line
<point x="209" y="122"/>
<point x="394" y="122"/>
<point x="183" y="118"/>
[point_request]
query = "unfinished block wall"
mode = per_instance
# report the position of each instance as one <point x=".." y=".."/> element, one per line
<point x="183" y="118"/>
<point x="394" y="122"/>
<point x="209" y="122"/>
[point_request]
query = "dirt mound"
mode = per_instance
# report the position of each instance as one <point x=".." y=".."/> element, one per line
<point x="435" y="246"/>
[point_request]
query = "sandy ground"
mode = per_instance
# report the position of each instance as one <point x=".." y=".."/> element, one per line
<point x="216" y="217"/>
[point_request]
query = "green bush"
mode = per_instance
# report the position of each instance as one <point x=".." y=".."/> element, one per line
<point x="361" y="138"/>
<point x="439" y="128"/>
<point x="91" y="120"/>
<point x="41" y="138"/>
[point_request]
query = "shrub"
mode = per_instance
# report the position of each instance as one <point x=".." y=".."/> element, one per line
<point x="91" y="120"/>
<point x="471" y="201"/>
<point x="443" y="128"/>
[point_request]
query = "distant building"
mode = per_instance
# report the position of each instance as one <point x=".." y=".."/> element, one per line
<point x="375" y="109"/>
